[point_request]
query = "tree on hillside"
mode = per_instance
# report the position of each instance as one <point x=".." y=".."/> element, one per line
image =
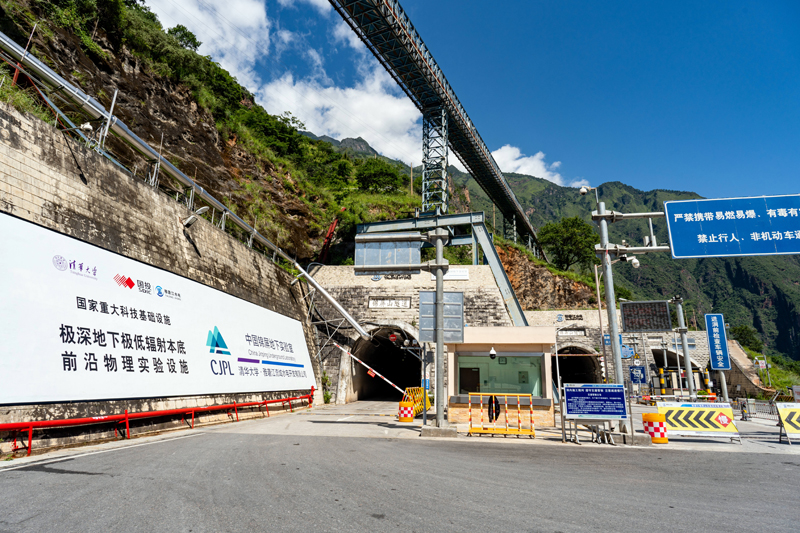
<point x="747" y="337"/>
<point x="186" y="38"/>
<point x="377" y="175"/>
<point x="570" y="242"/>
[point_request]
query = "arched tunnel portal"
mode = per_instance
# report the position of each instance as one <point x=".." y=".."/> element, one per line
<point x="391" y="359"/>
<point x="575" y="367"/>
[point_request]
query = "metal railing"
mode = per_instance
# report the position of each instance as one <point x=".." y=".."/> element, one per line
<point x="126" y="417"/>
<point x="762" y="409"/>
<point x="96" y="111"/>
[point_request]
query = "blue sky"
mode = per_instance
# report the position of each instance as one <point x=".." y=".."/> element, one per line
<point x="701" y="96"/>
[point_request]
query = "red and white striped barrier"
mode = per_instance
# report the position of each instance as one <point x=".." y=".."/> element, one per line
<point x="656" y="430"/>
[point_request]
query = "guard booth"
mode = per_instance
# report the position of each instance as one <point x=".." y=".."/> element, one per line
<point x="521" y="365"/>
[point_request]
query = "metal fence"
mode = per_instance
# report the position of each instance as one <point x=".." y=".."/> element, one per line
<point x="755" y="408"/>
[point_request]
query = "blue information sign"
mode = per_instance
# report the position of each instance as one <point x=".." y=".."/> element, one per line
<point x="627" y="352"/>
<point x="595" y="401"/>
<point x="729" y="227"/>
<point x="638" y="375"/>
<point x="607" y="339"/>
<point x="717" y="342"/>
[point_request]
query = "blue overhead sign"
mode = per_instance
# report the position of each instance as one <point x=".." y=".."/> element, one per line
<point x="717" y="343"/>
<point x="729" y="227"/>
<point x="595" y="401"/>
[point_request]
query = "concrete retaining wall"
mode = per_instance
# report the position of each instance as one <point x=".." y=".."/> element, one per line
<point x="40" y="183"/>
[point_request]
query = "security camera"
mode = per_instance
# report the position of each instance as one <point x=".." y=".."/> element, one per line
<point x="492" y="353"/>
<point x="583" y="191"/>
<point x="635" y="263"/>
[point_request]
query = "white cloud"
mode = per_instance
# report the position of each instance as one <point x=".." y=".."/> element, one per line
<point x="342" y="33"/>
<point x="323" y="6"/>
<point x="235" y="33"/>
<point x="511" y="159"/>
<point x="371" y="109"/>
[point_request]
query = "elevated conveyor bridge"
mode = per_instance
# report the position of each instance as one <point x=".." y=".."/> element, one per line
<point x="389" y="34"/>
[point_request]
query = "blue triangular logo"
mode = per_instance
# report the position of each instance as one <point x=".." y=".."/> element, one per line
<point x="216" y="342"/>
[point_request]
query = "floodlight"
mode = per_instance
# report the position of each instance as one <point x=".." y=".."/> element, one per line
<point x="187" y="222"/>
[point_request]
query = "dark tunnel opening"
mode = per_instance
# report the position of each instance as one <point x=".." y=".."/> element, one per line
<point x="389" y="359"/>
<point x="578" y="368"/>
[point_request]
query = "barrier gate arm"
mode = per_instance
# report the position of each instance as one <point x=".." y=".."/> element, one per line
<point x="370" y="368"/>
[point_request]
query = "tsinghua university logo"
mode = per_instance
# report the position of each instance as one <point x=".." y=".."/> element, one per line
<point x="59" y="262"/>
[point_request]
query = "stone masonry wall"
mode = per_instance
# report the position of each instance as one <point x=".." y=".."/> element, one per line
<point x="483" y="303"/>
<point x="40" y="183"/>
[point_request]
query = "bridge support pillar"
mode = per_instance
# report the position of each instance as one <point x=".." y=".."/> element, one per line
<point x="434" y="160"/>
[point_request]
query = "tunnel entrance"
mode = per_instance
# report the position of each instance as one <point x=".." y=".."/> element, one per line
<point x="675" y="371"/>
<point x="575" y="367"/>
<point x="388" y="358"/>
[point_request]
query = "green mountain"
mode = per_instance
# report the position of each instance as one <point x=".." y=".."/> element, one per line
<point x="291" y="185"/>
<point x="760" y="291"/>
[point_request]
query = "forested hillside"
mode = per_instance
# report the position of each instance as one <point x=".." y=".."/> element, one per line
<point x="763" y="292"/>
<point x="290" y="185"/>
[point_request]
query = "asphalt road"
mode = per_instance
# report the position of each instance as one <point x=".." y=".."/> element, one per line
<point x="252" y="477"/>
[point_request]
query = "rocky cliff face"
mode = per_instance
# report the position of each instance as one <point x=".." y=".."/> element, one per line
<point x="152" y="106"/>
<point x="537" y="288"/>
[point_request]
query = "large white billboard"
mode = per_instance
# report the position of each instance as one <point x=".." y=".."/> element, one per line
<point x="81" y="323"/>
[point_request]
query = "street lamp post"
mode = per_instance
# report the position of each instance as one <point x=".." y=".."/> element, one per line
<point x="687" y="361"/>
<point x="605" y="250"/>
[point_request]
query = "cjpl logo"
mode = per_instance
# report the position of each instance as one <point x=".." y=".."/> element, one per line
<point x="216" y="342"/>
<point x="217" y="345"/>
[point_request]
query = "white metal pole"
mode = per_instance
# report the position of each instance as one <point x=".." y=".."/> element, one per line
<point x="600" y="318"/>
<point x="440" y="328"/>
<point x="687" y="362"/>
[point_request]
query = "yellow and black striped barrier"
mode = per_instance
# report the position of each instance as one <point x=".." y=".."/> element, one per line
<point x="789" y="414"/>
<point x="699" y="419"/>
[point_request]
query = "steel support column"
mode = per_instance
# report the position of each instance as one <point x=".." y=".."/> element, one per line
<point x="434" y="160"/>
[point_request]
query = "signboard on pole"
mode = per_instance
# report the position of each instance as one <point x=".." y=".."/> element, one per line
<point x="643" y="317"/>
<point x="638" y="375"/>
<point x="81" y="323"/>
<point x="607" y="339"/>
<point x="453" y="316"/>
<point x="731" y="227"/>
<point x="717" y="343"/>
<point x="595" y="401"/>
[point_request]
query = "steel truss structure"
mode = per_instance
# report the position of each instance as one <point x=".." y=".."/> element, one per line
<point x="389" y="34"/>
<point x="434" y="161"/>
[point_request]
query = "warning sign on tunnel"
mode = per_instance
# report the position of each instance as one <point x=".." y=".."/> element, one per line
<point x="699" y="419"/>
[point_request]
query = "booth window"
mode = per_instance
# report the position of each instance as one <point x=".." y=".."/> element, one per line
<point x="503" y="375"/>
